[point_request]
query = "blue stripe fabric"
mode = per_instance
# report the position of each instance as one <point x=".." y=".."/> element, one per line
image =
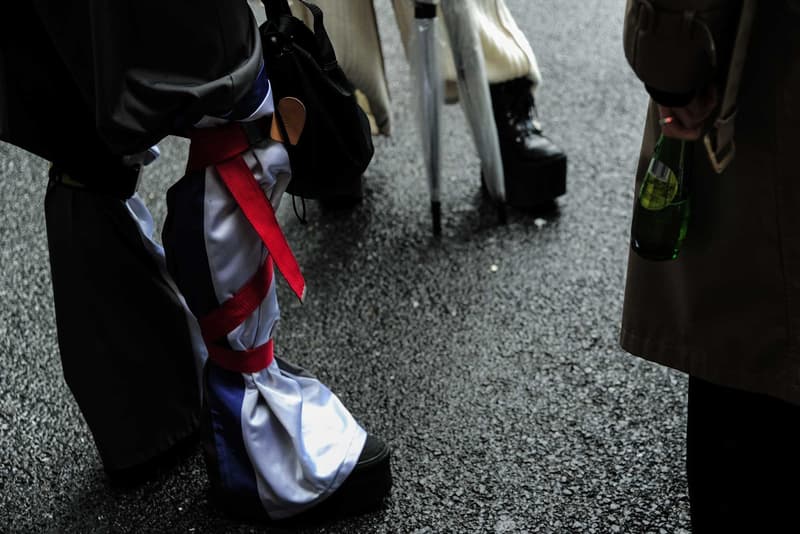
<point x="225" y="393"/>
<point x="184" y="243"/>
<point x="253" y="99"/>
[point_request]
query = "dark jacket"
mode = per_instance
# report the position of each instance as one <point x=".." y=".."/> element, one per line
<point x="99" y="78"/>
<point x="728" y="309"/>
<point x="82" y="83"/>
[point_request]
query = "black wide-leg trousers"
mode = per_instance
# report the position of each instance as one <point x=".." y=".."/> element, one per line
<point x="743" y="461"/>
<point x="123" y="334"/>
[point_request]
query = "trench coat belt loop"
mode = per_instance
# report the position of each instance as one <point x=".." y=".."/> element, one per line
<point x="719" y="141"/>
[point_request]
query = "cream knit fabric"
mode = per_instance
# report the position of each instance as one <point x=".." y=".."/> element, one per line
<point x="353" y="30"/>
<point x="506" y="51"/>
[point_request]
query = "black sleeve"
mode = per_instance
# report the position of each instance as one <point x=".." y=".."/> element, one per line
<point x="674" y="100"/>
<point x="149" y="68"/>
<point x="678" y="47"/>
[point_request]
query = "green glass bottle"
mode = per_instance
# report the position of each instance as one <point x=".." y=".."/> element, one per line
<point x="661" y="213"/>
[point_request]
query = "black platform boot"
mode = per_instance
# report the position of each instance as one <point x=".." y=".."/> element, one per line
<point x="535" y="168"/>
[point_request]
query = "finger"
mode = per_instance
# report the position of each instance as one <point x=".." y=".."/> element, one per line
<point x="678" y="131"/>
<point x="703" y="105"/>
<point x="711" y="96"/>
<point x="663" y="112"/>
<point x="700" y="111"/>
<point x="666" y="115"/>
<point x="688" y="120"/>
<point x="678" y="123"/>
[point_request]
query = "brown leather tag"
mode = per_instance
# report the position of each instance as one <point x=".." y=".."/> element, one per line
<point x="293" y="114"/>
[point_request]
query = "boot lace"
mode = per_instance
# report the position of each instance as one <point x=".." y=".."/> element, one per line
<point x="521" y="113"/>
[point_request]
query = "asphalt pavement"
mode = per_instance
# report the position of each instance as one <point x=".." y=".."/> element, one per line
<point x="487" y="358"/>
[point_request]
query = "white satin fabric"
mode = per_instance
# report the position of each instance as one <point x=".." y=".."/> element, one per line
<point x="301" y="441"/>
<point x="144" y="221"/>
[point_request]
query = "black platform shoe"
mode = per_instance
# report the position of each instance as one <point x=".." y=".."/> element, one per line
<point x="364" y="490"/>
<point x="535" y="168"/>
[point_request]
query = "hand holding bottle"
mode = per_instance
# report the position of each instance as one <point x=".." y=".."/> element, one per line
<point x="688" y="122"/>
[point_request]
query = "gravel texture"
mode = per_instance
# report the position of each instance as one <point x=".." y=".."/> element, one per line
<point x="488" y="359"/>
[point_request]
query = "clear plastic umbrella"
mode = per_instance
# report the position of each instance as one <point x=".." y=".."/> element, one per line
<point x="473" y="89"/>
<point x="424" y="62"/>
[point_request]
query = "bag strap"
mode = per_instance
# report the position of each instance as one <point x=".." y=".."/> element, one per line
<point x="277" y="8"/>
<point x="719" y="140"/>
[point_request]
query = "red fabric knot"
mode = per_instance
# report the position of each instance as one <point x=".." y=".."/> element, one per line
<point x="242" y="361"/>
<point x="210" y="146"/>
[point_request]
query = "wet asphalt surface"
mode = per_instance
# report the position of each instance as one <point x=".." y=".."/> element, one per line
<point x="488" y="358"/>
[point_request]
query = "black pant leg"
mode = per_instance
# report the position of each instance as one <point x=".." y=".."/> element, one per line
<point x="743" y="461"/>
<point x="123" y="334"/>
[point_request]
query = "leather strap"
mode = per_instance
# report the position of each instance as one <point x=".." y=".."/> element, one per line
<point x="275" y="9"/>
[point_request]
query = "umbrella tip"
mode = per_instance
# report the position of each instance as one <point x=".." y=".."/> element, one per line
<point x="502" y="217"/>
<point x="436" y="213"/>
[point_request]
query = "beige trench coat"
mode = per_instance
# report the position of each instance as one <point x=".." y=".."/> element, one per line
<point x="728" y="309"/>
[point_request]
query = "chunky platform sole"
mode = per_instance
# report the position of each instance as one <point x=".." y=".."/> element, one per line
<point x="364" y="490"/>
<point x="533" y="184"/>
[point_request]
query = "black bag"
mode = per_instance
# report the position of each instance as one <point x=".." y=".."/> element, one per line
<point x="335" y="147"/>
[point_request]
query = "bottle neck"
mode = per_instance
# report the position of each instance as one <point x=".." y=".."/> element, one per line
<point x="671" y="151"/>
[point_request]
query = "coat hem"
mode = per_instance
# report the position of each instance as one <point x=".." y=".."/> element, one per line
<point x="693" y="362"/>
